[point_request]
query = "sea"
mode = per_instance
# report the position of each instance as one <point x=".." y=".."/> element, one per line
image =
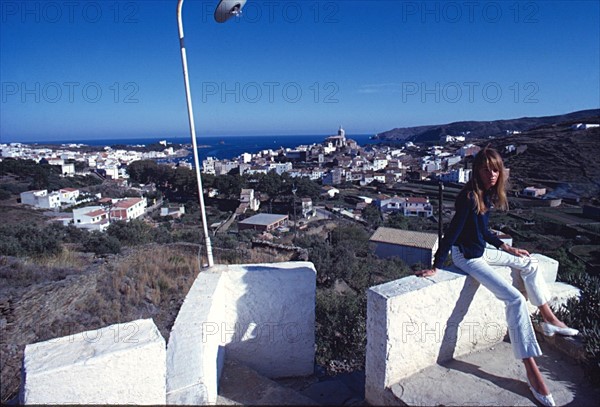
<point x="224" y="147"/>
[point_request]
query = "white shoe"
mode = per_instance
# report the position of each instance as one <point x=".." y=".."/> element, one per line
<point x="550" y="330"/>
<point x="546" y="400"/>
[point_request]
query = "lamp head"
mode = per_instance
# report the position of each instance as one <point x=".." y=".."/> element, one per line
<point x="227" y="9"/>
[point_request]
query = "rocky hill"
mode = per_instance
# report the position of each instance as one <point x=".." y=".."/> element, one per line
<point x="484" y="129"/>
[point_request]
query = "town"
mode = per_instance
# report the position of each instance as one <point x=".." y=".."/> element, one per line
<point x="385" y="175"/>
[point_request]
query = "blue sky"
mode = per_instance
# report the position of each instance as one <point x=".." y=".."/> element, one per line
<point x="111" y="69"/>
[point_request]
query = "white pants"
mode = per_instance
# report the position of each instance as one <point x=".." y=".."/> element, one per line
<point x="520" y="330"/>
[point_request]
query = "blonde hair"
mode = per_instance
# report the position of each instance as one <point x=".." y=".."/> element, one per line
<point x="490" y="159"/>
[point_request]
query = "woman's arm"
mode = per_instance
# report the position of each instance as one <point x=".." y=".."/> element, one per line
<point x="426" y="272"/>
<point x="514" y="251"/>
<point x="491" y="238"/>
<point x="464" y="207"/>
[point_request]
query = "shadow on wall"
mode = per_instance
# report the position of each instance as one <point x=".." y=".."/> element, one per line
<point x="273" y="331"/>
<point x="452" y="331"/>
<point x="262" y="316"/>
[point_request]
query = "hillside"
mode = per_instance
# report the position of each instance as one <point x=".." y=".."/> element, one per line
<point x="558" y="157"/>
<point x="483" y="129"/>
<point x="45" y="298"/>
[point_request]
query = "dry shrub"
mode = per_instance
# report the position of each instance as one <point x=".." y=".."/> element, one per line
<point x="66" y="258"/>
<point x="68" y="293"/>
<point x="151" y="281"/>
<point x="265" y="255"/>
<point x="23" y="272"/>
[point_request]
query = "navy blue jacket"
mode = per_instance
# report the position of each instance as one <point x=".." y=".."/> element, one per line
<point x="468" y="230"/>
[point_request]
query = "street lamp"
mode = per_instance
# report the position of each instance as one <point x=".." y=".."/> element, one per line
<point x="294" y="190"/>
<point x="225" y="10"/>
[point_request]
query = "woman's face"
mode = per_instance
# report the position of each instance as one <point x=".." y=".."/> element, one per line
<point x="488" y="177"/>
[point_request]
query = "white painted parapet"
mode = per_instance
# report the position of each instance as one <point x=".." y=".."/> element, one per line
<point x="273" y="322"/>
<point x="262" y="315"/>
<point x="414" y="322"/>
<point x="193" y="359"/>
<point x="118" y="364"/>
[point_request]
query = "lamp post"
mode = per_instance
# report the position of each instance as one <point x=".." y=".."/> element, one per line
<point x="294" y="190"/>
<point x="440" y="210"/>
<point x="225" y="10"/>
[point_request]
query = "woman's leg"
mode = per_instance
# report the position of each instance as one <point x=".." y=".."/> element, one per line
<point x="535" y="285"/>
<point x="535" y="377"/>
<point x="520" y="329"/>
<point x="528" y="267"/>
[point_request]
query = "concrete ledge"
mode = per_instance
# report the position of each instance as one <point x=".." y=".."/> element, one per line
<point x="262" y="315"/>
<point x="119" y="364"/>
<point x="413" y="323"/>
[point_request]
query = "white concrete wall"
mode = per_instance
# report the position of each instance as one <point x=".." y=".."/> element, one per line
<point x="192" y="356"/>
<point x="262" y="315"/>
<point x="272" y="307"/>
<point x="119" y="364"/>
<point x="415" y="322"/>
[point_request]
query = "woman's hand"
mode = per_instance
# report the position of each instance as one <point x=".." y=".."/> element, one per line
<point x="514" y="251"/>
<point x="425" y="272"/>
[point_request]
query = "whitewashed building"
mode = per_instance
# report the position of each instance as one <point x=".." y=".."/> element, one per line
<point x="91" y="218"/>
<point x="68" y="196"/>
<point x="67" y="170"/>
<point x="307" y="208"/>
<point x="41" y="199"/>
<point x="392" y="204"/>
<point x="128" y="209"/>
<point x="329" y="191"/>
<point x="418" y="207"/>
<point x="280" y="168"/>
<point x="174" y="211"/>
<point x="459" y="175"/>
<point x="247" y="197"/>
<point x="533" y="192"/>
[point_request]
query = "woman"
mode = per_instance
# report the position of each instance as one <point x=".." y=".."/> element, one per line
<point x="467" y="236"/>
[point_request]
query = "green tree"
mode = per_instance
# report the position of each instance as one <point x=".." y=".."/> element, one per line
<point x="397" y="220"/>
<point x="270" y="184"/>
<point x="228" y="185"/>
<point x="29" y="240"/>
<point x="372" y="215"/>
<point x="143" y="171"/>
<point x="340" y="330"/>
<point x="184" y="181"/>
<point x="307" y="187"/>
<point x="131" y="233"/>
<point x="101" y="243"/>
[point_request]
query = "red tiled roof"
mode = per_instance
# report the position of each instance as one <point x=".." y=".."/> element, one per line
<point x="416" y="200"/>
<point x="96" y="213"/>
<point x="127" y="203"/>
